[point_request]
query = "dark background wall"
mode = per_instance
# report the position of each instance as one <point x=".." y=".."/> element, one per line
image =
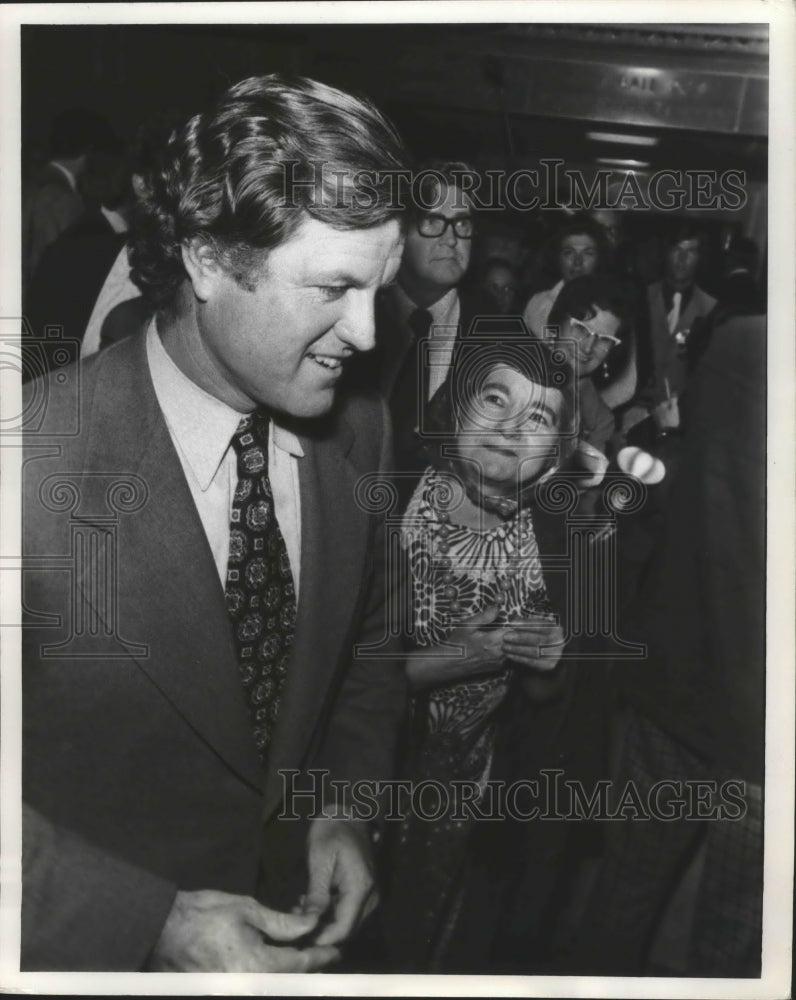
<point x="499" y="96"/>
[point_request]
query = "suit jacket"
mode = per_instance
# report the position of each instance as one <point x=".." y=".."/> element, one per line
<point x="50" y="206"/>
<point x="700" y="605"/>
<point x="390" y="355"/>
<point x="136" y="735"/>
<point x="668" y="357"/>
<point x="68" y="279"/>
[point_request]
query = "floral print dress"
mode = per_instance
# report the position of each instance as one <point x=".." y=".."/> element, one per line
<point x="456" y="572"/>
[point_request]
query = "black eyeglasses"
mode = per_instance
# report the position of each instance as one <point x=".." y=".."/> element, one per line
<point x="437" y="225"/>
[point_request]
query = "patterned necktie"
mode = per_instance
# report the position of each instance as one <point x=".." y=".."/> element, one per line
<point x="261" y="598"/>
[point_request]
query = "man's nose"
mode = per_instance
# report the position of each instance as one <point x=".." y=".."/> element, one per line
<point x="449" y="237"/>
<point x="357" y="326"/>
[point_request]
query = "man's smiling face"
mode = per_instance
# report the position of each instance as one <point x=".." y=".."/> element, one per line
<point x="284" y="343"/>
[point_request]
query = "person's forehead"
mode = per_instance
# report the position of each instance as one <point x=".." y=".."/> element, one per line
<point x="691" y="244"/>
<point x="499" y="272"/>
<point x="450" y="200"/>
<point x="603" y="321"/>
<point x="518" y="383"/>
<point x="321" y="251"/>
<point x="577" y="241"/>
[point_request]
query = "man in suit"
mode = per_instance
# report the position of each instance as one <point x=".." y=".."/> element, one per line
<point x="210" y="646"/>
<point x="55" y="201"/>
<point x="428" y="306"/>
<point x="694" y="708"/>
<point x="677" y="305"/>
<point x="73" y="269"/>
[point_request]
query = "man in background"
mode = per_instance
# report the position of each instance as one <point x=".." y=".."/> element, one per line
<point x="428" y="307"/>
<point x="55" y="200"/>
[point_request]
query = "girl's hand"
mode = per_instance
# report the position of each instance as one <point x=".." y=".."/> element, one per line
<point x="534" y="645"/>
<point x="536" y="642"/>
<point x="482" y="652"/>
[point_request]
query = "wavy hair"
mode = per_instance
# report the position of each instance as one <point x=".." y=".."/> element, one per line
<point x="243" y="175"/>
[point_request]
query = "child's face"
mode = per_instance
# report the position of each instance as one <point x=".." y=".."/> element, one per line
<point x="511" y="428"/>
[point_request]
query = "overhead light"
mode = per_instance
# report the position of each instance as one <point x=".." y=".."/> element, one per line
<point x="633" y="164"/>
<point x="625" y="140"/>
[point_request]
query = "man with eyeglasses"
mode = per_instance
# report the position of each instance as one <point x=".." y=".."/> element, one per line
<point x="427" y="300"/>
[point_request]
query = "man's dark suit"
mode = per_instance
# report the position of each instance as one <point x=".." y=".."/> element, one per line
<point x="148" y="753"/>
<point x="70" y="276"/>
<point x="48" y="208"/>
<point x="390" y="357"/>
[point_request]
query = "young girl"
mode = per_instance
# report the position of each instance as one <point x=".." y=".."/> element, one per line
<point x="484" y="632"/>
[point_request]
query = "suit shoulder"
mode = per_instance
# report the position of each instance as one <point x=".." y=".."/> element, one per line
<point x="708" y="301"/>
<point x="59" y="403"/>
<point x="365" y="413"/>
<point x="365" y="417"/>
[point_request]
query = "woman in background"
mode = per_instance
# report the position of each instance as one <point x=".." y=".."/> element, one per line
<point x="591" y="318"/>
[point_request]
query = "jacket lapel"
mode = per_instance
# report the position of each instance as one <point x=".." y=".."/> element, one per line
<point x="169" y="594"/>
<point x="333" y="551"/>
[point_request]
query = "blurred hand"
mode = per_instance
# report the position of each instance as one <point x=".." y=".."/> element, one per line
<point x="666" y="415"/>
<point x="590" y="460"/>
<point x="210" y="931"/>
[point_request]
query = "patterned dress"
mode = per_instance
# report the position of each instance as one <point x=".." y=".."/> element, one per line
<point x="456" y="571"/>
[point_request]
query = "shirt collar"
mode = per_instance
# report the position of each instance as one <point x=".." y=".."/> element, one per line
<point x="116" y="220"/>
<point x="202" y="425"/>
<point x="66" y="172"/>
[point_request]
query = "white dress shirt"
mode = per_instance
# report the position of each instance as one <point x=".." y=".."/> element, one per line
<point x="538" y="309"/>
<point x="118" y="287"/>
<point x="201" y="428"/>
<point x="66" y="172"/>
<point x="115" y="220"/>
<point x="445" y="314"/>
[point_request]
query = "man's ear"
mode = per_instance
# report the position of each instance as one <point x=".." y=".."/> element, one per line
<point x="202" y="265"/>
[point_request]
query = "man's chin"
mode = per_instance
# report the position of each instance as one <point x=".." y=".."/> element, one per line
<point x="310" y="406"/>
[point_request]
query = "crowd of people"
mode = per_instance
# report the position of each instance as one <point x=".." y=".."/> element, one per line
<point x="248" y="362"/>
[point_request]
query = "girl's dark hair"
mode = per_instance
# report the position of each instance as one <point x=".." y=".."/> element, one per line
<point x="579" y="298"/>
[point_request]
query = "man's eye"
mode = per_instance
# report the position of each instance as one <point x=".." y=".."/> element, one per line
<point x="333" y="292"/>
<point x="494" y="399"/>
